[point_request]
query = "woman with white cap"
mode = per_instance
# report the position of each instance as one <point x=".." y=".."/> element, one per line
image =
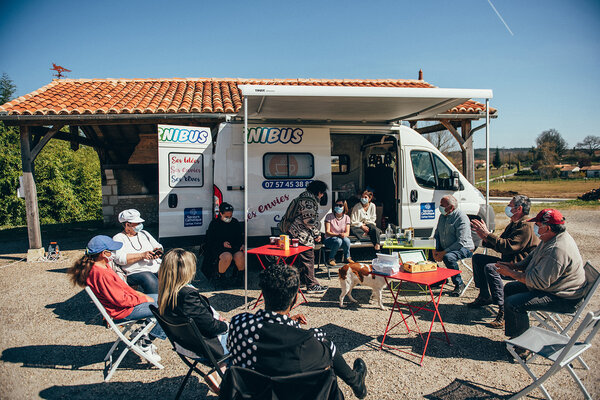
<point x="140" y="255"/>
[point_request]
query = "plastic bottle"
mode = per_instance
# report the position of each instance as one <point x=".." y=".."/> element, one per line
<point x="388" y="235"/>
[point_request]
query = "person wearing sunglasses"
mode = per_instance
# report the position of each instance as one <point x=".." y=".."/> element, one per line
<point x="337" y="230"/>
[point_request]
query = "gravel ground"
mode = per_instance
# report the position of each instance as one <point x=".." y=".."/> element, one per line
<point x="52" y="343"/>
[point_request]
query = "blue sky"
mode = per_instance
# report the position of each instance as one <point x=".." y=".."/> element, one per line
<point x="545" y="76"/>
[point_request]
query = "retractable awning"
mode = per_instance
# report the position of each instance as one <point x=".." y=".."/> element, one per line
<point x="352" y="104"/>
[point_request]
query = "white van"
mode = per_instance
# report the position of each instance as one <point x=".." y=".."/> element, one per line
<point x="407" y="173"/>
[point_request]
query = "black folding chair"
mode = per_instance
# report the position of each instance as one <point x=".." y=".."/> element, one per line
<point x="242" y="383"/>
<point x="191" y="347"/>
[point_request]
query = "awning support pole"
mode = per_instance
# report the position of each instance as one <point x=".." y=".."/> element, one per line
<point x="246" y="201"/>
<point x="34" y="232"/>
<point x="487" y="160"/>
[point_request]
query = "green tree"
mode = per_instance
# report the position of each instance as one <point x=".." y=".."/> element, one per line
<point x="497" y="163"/>
<point x="589" y="144"/>
<point x="552" y="141"/>
<point x="7" y="88"/>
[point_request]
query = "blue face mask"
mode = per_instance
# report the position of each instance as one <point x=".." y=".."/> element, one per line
<point x="508" y="212"/>
<point x="138" y="228"/>
<point x="364" y="200"/>
<point x="226" y="219"/>
<point x="536" y="230"/>
<point x="338" y="210"/>
<point x="442" y="210"/>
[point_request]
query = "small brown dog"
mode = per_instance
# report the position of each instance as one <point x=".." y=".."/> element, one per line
<point x="360" y="274"/>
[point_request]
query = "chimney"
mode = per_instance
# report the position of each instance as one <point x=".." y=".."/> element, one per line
<point x="420" y="74"/>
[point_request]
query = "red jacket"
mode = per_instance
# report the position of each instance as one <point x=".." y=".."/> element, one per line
<point x="115" y="295"/>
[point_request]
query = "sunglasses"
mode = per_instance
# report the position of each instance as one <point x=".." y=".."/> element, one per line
<point x="339" y="205"/>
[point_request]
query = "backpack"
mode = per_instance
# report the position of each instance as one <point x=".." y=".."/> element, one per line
<point x="288" y="217"/>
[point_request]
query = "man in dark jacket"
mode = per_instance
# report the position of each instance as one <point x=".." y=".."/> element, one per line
<point x="272" y="342"/>
<point x="514" y="244"/>
<point x="224" y="242"/>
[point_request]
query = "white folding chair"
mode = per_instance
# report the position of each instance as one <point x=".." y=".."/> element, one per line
<point x="464" y="264"/>
<point x="562" y="350"/>
<point x="131" y="344"/>
<point x="552" y="320"/>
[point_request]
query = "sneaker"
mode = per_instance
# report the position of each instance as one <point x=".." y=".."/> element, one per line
<point x="316" y="289"/>
<point x="150" y="350"/>
<point x="498" y="323"/>
<point x="332" y="262"/>
<point x="349" y="261"/>
<point x="360" y="368"/>
<point x="480" y="302"/>
<point x="458" y="290"/>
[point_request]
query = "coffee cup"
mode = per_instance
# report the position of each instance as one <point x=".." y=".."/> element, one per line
<point x="295" y="242"/>
<point x="273" y="240"/>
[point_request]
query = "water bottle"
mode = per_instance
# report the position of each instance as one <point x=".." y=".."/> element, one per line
<point x="388" y="235"/>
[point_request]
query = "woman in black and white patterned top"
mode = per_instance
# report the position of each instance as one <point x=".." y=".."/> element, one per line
<point x="273" y="343"/>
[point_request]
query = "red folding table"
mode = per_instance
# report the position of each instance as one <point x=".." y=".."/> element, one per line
<point x="424" y="279"/>
<point x="274" y="251"/>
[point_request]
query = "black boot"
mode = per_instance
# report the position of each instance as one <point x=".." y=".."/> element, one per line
<point x="359" y="388"/>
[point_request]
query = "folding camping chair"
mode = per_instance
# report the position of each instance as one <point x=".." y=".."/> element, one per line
<point x="562" y="350"/>
<point x="190" y="346"/>
<point x="131" y="344"/>
<point x="552" y="320"/>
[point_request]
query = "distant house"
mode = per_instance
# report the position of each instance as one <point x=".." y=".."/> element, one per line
<point x="567" y="171"/>
<point x="480" y="164"/>
<point x="591" y="171"/>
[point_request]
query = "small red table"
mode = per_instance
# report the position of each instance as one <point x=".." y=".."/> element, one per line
<point x="275" y="251"/>
<point x="424" y="279"/>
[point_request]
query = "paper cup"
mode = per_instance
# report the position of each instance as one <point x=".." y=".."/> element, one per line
<point x="273" y="239"/>
<point x="295" y="242"/>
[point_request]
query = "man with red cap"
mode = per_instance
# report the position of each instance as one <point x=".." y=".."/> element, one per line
<point x="553" y="278"/>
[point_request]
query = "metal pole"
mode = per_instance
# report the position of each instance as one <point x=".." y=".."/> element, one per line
<point x="246" y="202"/>
<point x="487" y="161"/>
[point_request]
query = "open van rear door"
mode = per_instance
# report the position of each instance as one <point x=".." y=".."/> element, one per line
<point x="185" y="180"/>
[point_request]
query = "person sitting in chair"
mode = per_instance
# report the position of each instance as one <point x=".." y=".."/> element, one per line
<point x="514" y="244"/>
<point x="550" y="278"/>
<point x="337" y="230"/>
<point x="121" y="302"/>
<point x="140" y="255"/>
<point x="453" y="239"/>
<point x="273" y="343"/>
<point x="225" y="243"/>
<point x="363" y="217"/>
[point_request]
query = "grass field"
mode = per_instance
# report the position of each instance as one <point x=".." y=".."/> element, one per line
<point x="564" y="188"/>
<point x="480" y="173"/>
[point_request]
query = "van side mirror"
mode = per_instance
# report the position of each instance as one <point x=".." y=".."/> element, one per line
<point x="455" y="182"/>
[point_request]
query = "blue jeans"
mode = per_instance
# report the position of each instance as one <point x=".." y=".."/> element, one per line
<point x="487" y="279"/>
<point x="142" y="311"/>
<point x="451" y="261"/>
<point x="147" y="281"/>
<point x="334" y="243"/>
<point x="518" y="299"/>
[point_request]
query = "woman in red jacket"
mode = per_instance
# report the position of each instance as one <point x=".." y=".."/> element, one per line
<point x="121" y="302"/>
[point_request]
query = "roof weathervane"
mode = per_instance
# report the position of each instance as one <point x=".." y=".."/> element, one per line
<point x="59" y="70"/>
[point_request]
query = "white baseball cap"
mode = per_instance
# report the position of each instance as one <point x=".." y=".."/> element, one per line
<point x="132" y="215"/>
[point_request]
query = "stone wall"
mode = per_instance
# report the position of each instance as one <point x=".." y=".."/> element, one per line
<point x="113" y="203"/>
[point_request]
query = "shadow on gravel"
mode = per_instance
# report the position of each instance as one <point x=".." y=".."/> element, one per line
<point x="67" y="357"/>
<point x="164" y="388"/>
<point x="462" y="346"/>
<point x="77" y="308"/>
<point x="462" y="390"/>
<point x="345" y="339"/>
<point x="226" y="302"/>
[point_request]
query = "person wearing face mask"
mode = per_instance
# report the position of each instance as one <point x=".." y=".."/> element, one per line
<point x="140" y="255"/>
<point x="337" y="230"/>
<point x="551" y="278"/>
<point x="453" y="239"/>
<point x="363" y="219"/>
<point x="121" y="302"/>
<point x="225" y="243"/>
<point x="514" y="244"/>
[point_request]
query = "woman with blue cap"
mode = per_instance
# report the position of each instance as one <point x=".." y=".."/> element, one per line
<point x="121" y="302"/>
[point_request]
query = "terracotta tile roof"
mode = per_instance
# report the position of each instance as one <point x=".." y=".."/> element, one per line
<point x="177" y="95"/>
<point x="470" y="107"/>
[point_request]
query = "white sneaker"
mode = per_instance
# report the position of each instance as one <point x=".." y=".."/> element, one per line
<point x="151" y="352"/>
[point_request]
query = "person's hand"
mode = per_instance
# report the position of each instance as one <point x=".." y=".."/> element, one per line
<point x="480" y="228"/>
<point x="300" y="318"/>
<point x="318" y="238"/>
<point x="438" y="255"/>
<point x="227" y="245"/>
<point x="147" y="255"/>
<point x="505" y="268"/>
<point x="365" y="228"/>
<point x="242" y="248"/>
<point x="222" y="319"/>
